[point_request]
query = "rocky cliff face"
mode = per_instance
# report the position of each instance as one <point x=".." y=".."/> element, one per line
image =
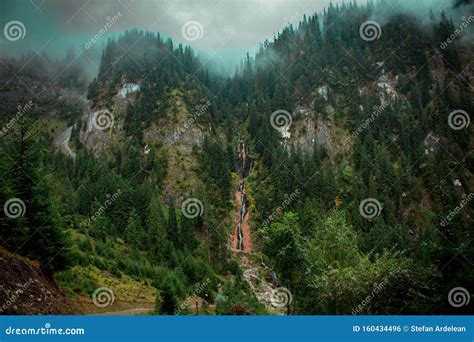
<point x="26" y="290"/>
<point x="175" y="133"/>
<point x="310" y="129"/>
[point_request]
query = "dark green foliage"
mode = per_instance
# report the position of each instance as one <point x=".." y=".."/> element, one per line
<point x="37" y="230"/>
<point x="314" y="237"/>
<point x="390" y="160"/>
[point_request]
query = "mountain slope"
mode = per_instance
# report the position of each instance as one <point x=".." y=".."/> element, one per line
<point x="356" y="169"/>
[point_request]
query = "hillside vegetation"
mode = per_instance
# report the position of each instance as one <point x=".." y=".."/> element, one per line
<point x="143" y="203"/>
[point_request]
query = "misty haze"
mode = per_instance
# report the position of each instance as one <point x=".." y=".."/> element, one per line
<point x="223" y="157"/>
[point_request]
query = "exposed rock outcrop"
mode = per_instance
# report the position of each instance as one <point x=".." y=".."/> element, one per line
<point x="62" y="142"/>
<point x="26" y="290"/>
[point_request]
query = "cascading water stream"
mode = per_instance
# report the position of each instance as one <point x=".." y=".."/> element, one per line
<point x="244" y="164"/>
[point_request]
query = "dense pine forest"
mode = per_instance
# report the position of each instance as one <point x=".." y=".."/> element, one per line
<point x="351" y="198"/>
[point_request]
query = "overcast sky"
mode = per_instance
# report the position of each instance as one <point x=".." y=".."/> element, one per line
<point x="229" y="28"/>
<point x="232" y="23"/>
